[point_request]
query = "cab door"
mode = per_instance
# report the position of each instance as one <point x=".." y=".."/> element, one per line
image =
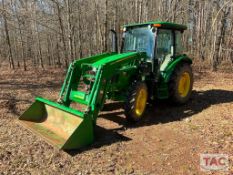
<point x="164" y="47"/>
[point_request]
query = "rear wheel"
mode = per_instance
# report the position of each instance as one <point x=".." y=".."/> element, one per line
<point x="136" y="100"/>
<point x="181" y="84"/>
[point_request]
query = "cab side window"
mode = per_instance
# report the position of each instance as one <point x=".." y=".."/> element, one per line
<point x="164" y="45"/>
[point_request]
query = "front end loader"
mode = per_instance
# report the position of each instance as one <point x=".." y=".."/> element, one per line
<point x="149" y="66"/>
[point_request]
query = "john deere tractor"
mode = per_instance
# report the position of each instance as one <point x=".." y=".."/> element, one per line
<point x="149" y="66"/>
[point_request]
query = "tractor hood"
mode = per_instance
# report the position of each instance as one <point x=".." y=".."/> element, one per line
<point x="118" y="57"/>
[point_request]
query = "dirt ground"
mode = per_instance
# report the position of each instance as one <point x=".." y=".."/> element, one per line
<point x="169" y="140"/>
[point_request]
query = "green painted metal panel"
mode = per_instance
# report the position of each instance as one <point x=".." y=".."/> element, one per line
<point x="83" y="136"/>
<point x="93" y="59"/>
<point x="166" y="74"/>
<point x="114" y="58"/>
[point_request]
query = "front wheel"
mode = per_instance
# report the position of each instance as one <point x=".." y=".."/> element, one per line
<point x="181" y="84"/>
<point x="136" y="101"/>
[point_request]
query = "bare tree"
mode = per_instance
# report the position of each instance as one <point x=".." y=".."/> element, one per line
<point x="11" y="60"/>
<point x="44" y="33"/>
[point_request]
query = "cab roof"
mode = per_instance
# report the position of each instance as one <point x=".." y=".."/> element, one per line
<point x="160" y="24"/>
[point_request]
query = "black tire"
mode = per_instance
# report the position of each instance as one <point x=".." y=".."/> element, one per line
<point x="175" y="95"/>
<point x="131" y="107"/>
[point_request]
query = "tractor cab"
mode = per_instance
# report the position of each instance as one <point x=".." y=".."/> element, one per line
<point x="161" y="41"/>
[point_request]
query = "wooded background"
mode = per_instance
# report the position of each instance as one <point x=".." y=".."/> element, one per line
<point x="44" y="33"/>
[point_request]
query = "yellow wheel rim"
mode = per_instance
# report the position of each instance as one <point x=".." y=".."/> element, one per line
<point x="184" y="84"/>
<point x="141" y="102"/>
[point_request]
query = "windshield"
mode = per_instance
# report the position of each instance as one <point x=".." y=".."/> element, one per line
<point x="139" y="40"/>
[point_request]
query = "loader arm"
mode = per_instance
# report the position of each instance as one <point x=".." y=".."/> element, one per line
<point x="89" y="80"/>
<point x="88" y="83"/>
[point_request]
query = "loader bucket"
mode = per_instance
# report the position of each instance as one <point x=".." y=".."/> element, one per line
<point x="60" y="126"/>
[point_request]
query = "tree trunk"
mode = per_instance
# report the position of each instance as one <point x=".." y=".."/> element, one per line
<point x="70" y="29"/>
<point x="40" y="50"/>
<point x="79" y="31"/>
<point x="11" y="60"/>
<point x="59" y="14"/>
<point x="220" y="39"/>
<point x="106" y="26"/>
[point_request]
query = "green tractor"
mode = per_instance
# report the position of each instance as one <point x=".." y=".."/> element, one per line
<point x="150" y="66"/>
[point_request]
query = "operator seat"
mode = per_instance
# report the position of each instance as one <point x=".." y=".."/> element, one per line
<point x="167" y="59"/>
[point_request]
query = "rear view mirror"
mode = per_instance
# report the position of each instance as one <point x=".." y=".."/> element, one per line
<point x="114" y="41"/>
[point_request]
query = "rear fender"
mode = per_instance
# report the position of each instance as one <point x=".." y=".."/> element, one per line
<point x="166" y="74"/>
